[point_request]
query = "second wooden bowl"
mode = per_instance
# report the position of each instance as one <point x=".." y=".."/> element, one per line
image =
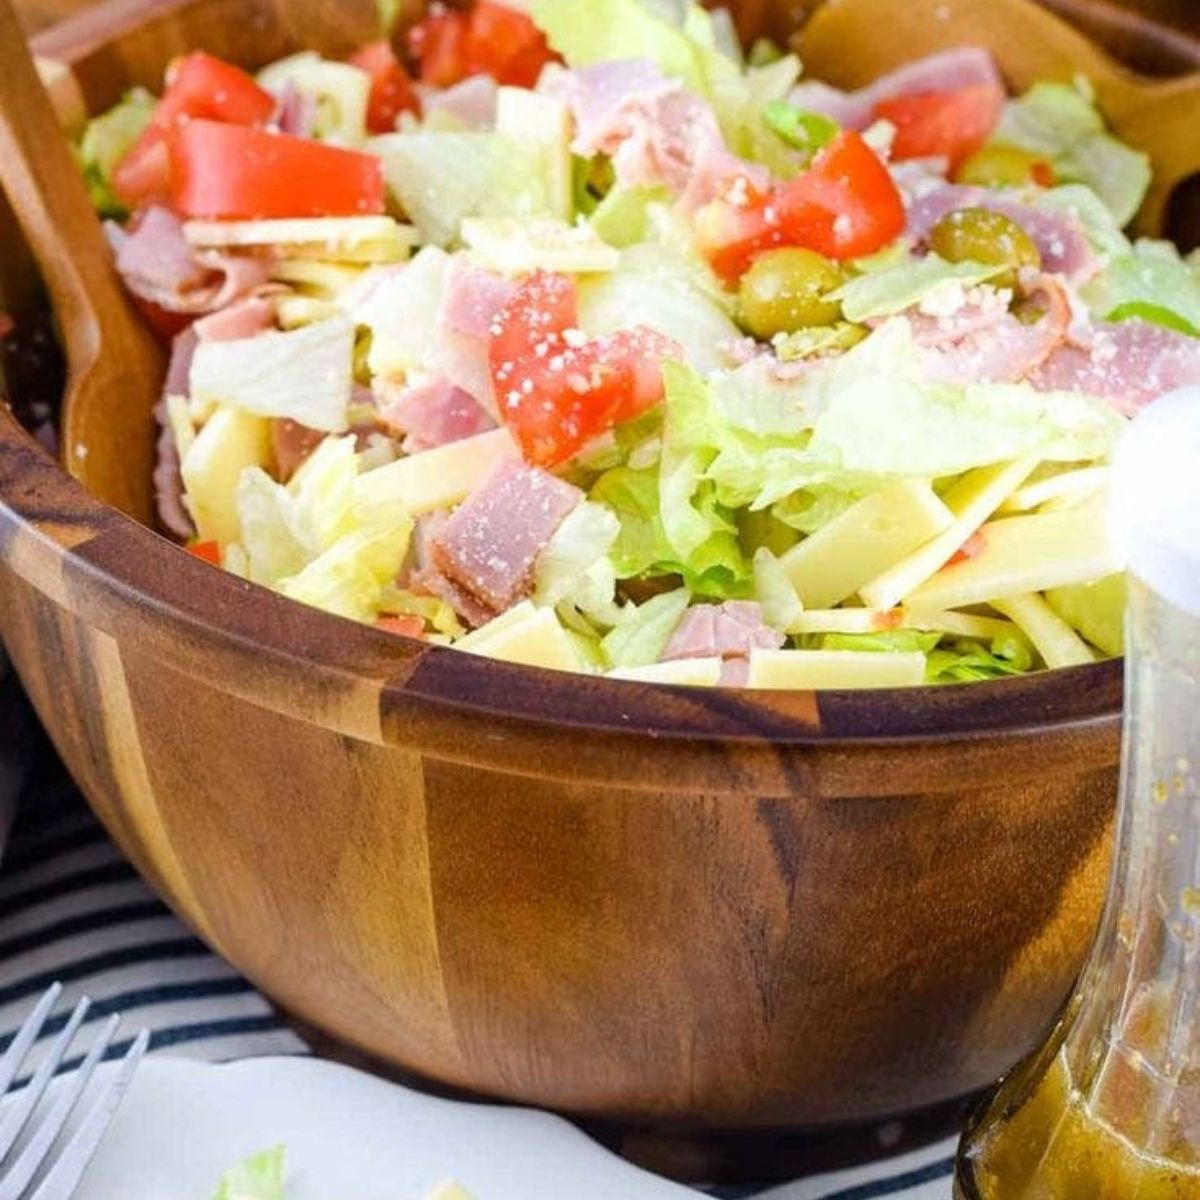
<point x="643" y="904"/>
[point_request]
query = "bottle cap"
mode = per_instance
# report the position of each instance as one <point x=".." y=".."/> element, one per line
<point x="1155" y="511"/>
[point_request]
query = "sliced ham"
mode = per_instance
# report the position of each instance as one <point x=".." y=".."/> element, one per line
<point x="949" y="70"/>
<point x="433" y="414"/>
<point x="1129" y="364"/>
<point x="472" y="102"/>
<point x="291" y="445"/>
<point x="157" y="264"/>
<point x="490" y="546"/>
<point x="167" y="479"/>
<point x="241" y="319"/>
<point x="471" y="302"/>
<point x="1060" y="238"/>
<point x="295" y="111"/>
<point x="656" y="132"/>
<point x="729" y="631"/>
<point x="423" y="576"/>
<point x="984" y="342"/>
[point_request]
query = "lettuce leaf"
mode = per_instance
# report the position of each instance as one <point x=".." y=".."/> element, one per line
<point x="643" y="631"/>
<point x="315" y="541"/>
<point x="653" y="287"/>
<point x="774" y="591"/>
<point x="574" y="565"/>
<point x="968" y="661"/>
<point x="601" y="30"/>
<point x="1061" y="121"/>
<point x="907" y="283"/>
<point x="257" y="1178"/>
<point x="715" y="567"/>
<point x="106" y="140"/>
<point x="1153" y="282"/>
<point x="1090" y="211"/>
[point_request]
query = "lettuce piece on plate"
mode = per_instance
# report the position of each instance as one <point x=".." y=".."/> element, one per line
<point x="105" y="141"/>
<point x="1062" y="122"/>
<point x="643" y="631"/>
<point x="1153" y="282"/>
<point x="257" y="1178"/>
<point x="623" y="217"/>
<point x="305" y="374"/>
<point x="774" y="591"/>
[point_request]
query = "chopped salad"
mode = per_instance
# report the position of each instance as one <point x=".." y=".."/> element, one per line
<point x="574" y="335"/>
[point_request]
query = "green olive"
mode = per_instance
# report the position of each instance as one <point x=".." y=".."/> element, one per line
<point x="1002" y="165"/>
<point x="982" y="236"/>
<point x="787" y="290"/>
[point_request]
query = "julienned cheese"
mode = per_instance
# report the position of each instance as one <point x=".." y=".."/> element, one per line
<point x="527" y="635"/>
<point x="438" y="478"/>
<point x="876" y="532"/>
<point x="689" y="672"/>
<point x="1057" y="643"/>
<point x="1027" y="554"/>
<point x="972" y="500"/>
<point x="230" y="442"/>
<point x="812" y="670"/>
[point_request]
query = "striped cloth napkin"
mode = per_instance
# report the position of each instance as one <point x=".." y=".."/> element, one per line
<point x="72" y="909"/>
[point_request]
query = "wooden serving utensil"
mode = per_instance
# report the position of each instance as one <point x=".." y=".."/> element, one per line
<point x="115" y="368"/>
<point x="852" y="42"/>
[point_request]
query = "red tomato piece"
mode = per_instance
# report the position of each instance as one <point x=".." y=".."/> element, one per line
<point x="164" y="325"/>
<point x="845" y="205"/>
<point x="402" y="626"/>
<point x="198" y="85"/>
<point x="209" y="552"/>
<point x="490" y="39"/>
<point x="556" y="389"/>
<point x="391" y="87"/>
<point x="234" y="172"/>
<point x="948" y="124"/>
<point x="505" y="44"/>
<point x="439" y="44"/>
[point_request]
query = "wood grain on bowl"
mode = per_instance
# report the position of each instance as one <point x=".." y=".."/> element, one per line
<point x="722" y="909"/>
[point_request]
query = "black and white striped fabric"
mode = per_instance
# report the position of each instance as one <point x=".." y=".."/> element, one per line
<point x="72" y="909"/>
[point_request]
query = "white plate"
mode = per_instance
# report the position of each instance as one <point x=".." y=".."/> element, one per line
<point x="349" y="1136"/>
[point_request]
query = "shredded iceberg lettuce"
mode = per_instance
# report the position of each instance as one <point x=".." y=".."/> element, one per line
<point x="906" y="284"/>
<point x="643" y="631"/>
<point x="106" y="140"/>
<point x="1062" y="122"/>
<point x="1153" y="282"/>
<point x="257" y="1178"/>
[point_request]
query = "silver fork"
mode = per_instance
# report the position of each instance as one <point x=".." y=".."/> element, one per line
<point x="65" y="1170"/>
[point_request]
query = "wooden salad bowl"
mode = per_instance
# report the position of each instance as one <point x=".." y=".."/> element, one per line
<point x="708" y="909"/>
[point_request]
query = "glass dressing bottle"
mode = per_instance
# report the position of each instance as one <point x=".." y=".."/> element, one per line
<point x="1110" y="1108"/>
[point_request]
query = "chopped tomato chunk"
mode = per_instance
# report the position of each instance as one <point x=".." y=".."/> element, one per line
<point x="556" y="389"/>
<point x="391" y="87"/>
<point x="198" y="85"/>
<point x="209" y="552"/>
<point x="234" y="172"/>
<point x="402" y="626"/>
<point x="489" y="39"/>
<point x="845" y="205"/>
<point x="947" y="124"/>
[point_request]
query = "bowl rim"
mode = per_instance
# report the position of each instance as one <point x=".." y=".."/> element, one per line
<point x="123" y="577"/>
<point x="118" y="574"/>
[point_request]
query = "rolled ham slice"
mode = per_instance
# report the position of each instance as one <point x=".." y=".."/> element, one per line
<point x="1130" y="365"/>
<point x="157" y="264"/>
<point x="491" y="544"/>
<point x="1060" y="238"/>
<point x="949" y="70"/>
<point x="433" y="415"/>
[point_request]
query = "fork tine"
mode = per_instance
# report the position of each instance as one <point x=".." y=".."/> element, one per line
<point x="27" y="1100"/>
<point x="15" y="1181"/>
<point x="18" y="1048"/>
<point x="63" y="1178"/>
